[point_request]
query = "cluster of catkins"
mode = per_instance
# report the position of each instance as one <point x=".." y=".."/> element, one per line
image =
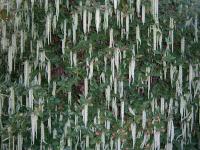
<point x="125" y="112"/>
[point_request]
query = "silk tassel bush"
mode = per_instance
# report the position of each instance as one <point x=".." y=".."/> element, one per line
<point x="102" y="75"/>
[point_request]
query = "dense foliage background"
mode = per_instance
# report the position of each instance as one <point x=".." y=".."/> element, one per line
<point x="113" y="74"/>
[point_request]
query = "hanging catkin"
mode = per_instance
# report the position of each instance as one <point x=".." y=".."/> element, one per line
<point x="170" y="131"/>
<point x="118" y="143"/>
<point x="118" y="18"/>
<point x="22" y="42"/>
<point x="65" y="129"/>
<point x="122" y="113"/>
<point x="143" y="14"/>
<point x="49" y="123"/>
<point x="63" y="46"/>
<point x="180" y="80"/>
<point x="4" y="40"/>
<point x="46" y="5"/>
<point x="49" y="71"/>
<point x="18" y="2"/>
<point x="138" y="5"/>
<point x="74" y="26"/>
<point x="69" y="98"/>
<point x="127" y="26"/>
<point x="54" y="133"/>
<point x="71" y="58"/>
<point x="34" y="119"/>
<point x="48" y="27"/>
<point x="85" y="118"/>
<point x="54" y="23"/>
<point x="87" y="142"/>
<point x="108" y="96"/>
<point x="30" y="99"/>
<point x="154" y="38"/>
<point x="154" y="4"/>
<point x="62" y="143"/>
<point x="10" y="59"/>
<point x="165" y="67"/>
<point x="97" y="146"/>
<point x="183" y="104"/>
<point x="39" y="79"/>
<point x="148" y="80"/>
<point x="115" y="4"/>
<point x="156" y="139"/>
<point x="162" y="106"/>
<point x="190" y="77"/>
<point x="75" y="59"/>
<point x="117" y="58"/>
<point x="132" y="67"/>
<point x="26" y="73"/>
<point x="91" y="70"/>
<point x="105" y="23"/>
<point x="81" y="8"/>
<point x="98" y="116"/>
<point x="171" y="32"/>
<point x="172" y="71"/>
<point x="90" y="50"/>
<point x="89" y="20"/>
<point x="160" y="39"/>
<point x="57" y="4"/>
<point x="111" y="38"/>
<point x="65" y="29"/>
<point x="11" y="107"/>
<point x="97" y="19"/>
<point x="19" y="141"/>
<point x="42" y="138"/>
<point x="114" y="108"/>
<point x="103" y="141"/>
<point x="105" y="63"/>
<point x="182" y="46"/>
<point x="144" y="119"/>
<point x="138" y="39"/>
<point x="196" y="87"/>
<point x="86" y="87"/>
<point x="122" y="19"/>
<point x="84" y="21"/>
<point x="133" y="133"/>
<point x="74" y="33"/>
